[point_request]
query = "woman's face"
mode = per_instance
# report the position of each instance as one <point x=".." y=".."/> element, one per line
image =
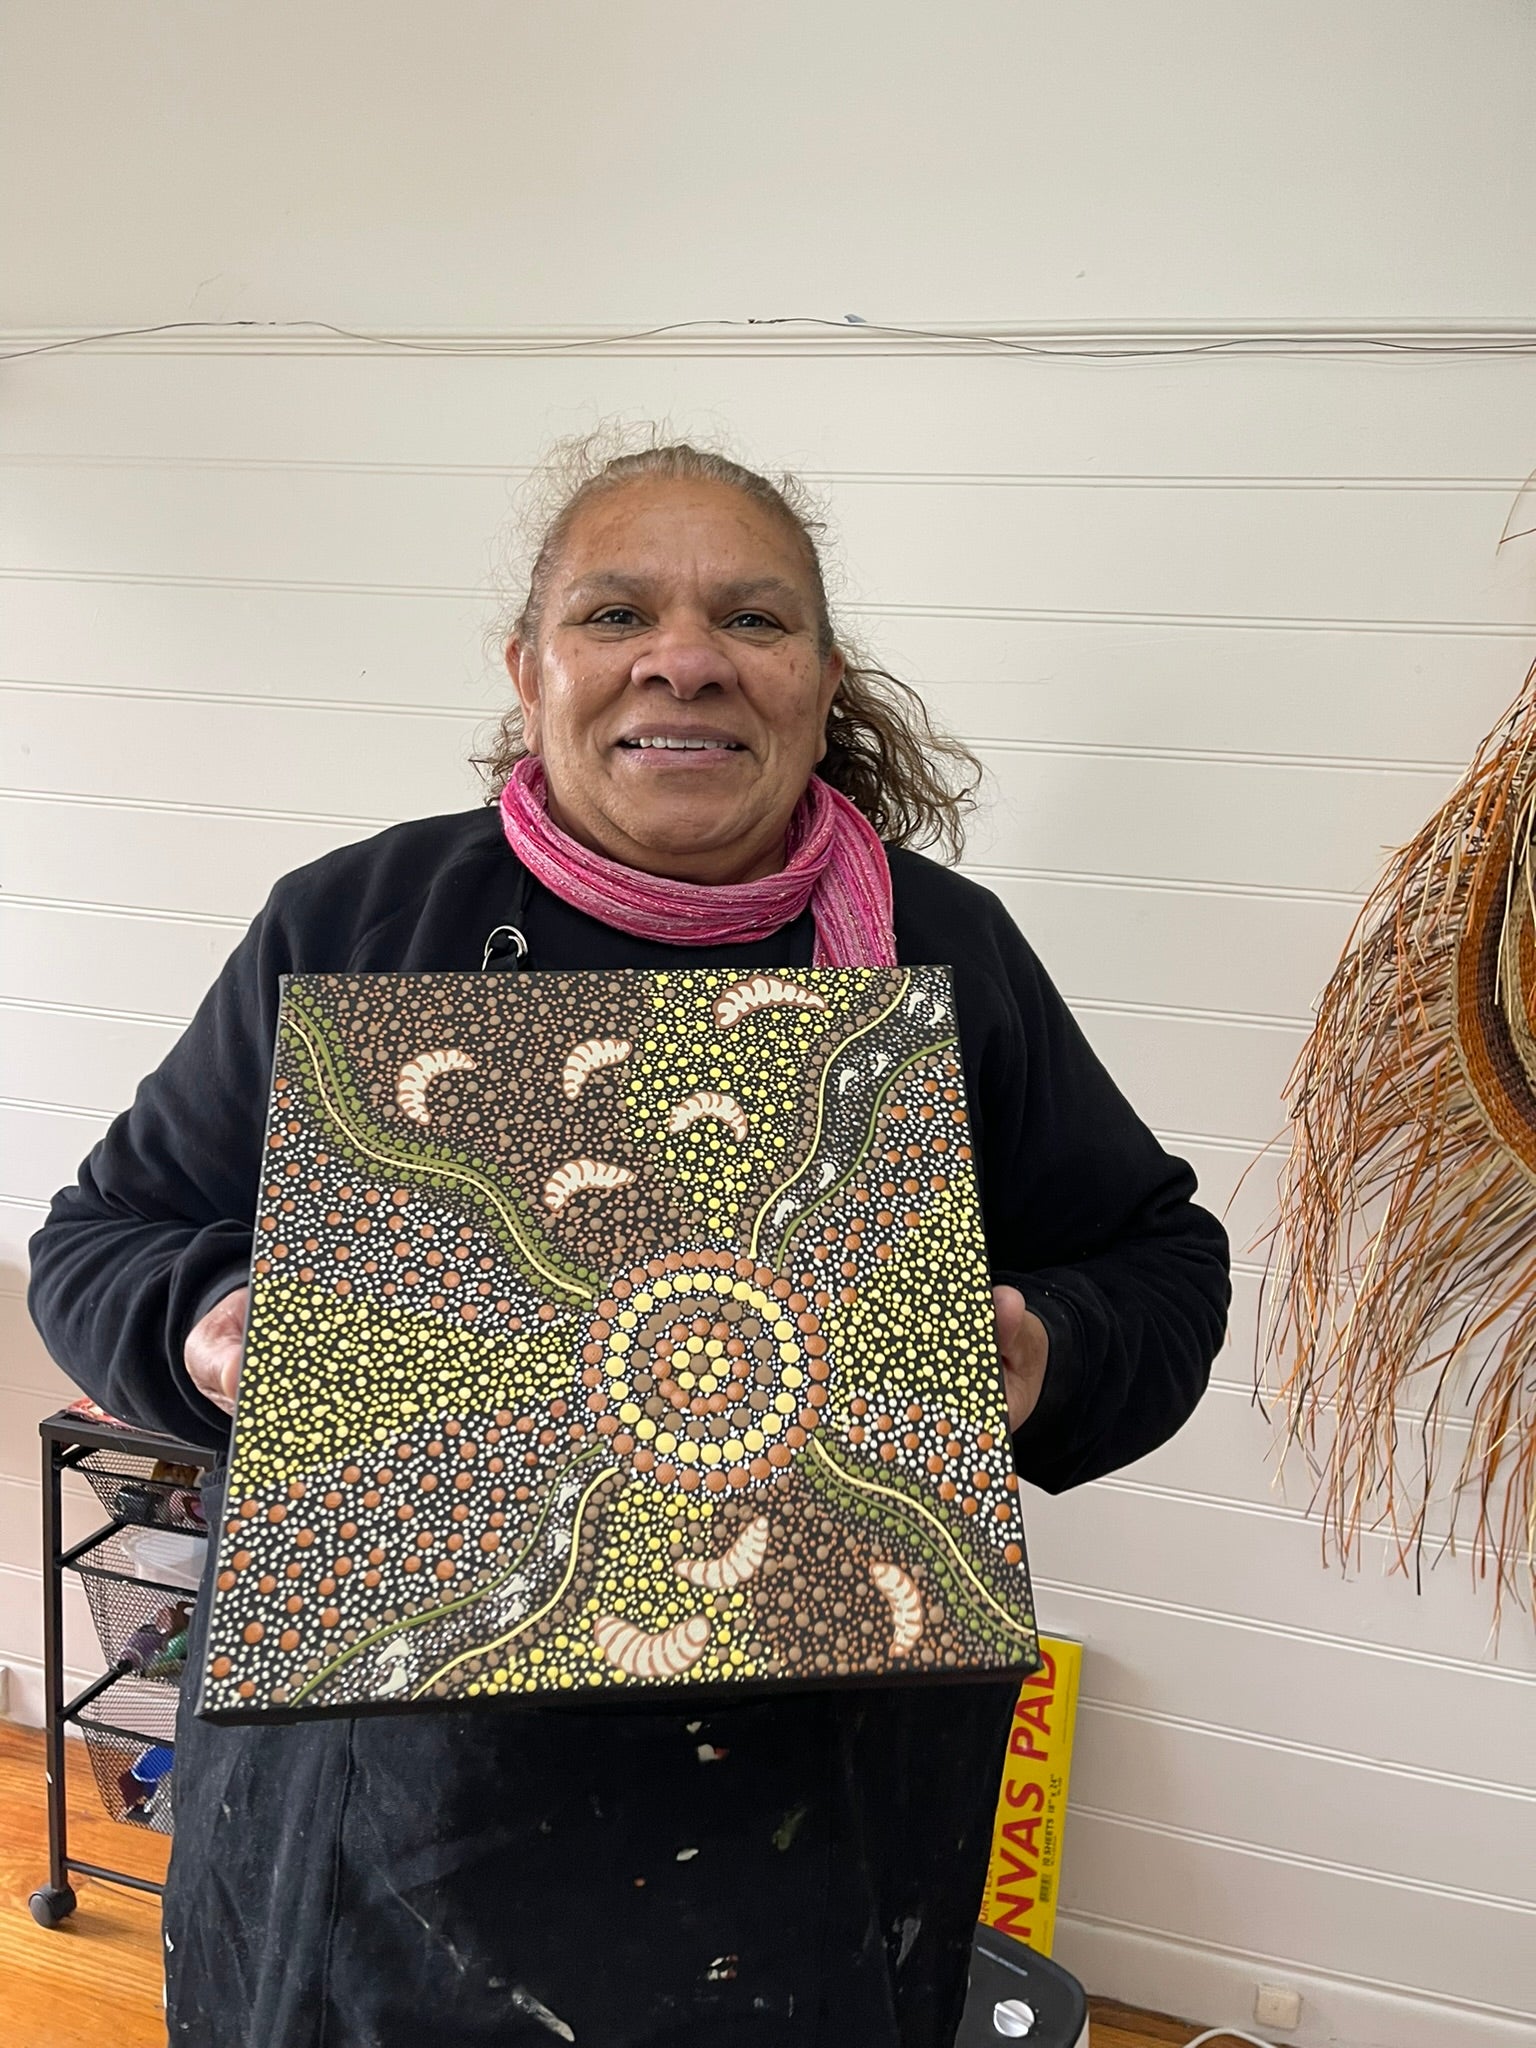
<point x="676" y="694"/>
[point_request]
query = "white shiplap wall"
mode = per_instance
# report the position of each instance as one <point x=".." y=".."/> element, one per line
<point x="1215" y="664"/>
<point x="1224" y="629"/>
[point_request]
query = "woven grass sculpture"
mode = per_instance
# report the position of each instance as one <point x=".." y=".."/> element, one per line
<point x="1403" y="1262"/>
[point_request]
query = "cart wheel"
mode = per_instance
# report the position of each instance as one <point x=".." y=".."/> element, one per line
<point x="52" y="1904"/>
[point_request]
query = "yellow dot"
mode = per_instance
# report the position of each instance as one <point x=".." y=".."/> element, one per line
<point x="754" y="1439"/>
<point x="732" y="1448"/>
<point x="629" y="1413"/>
<point x="688" y="1451"/>
<point x="783" y="1329"/>
<point x="792" y="1376"/>
<point x="710" y="1454"/>
<point x="642" y="1303"/>
<point x="645" y="1428"/>
<point x="714" y="1348"/>
<point x="663" y="1290"/>
<point x="784" y="1403"/>
<point x="789" y="1353"/>
<point x="618" y="1342"/>
<point x="666" y="1443"/>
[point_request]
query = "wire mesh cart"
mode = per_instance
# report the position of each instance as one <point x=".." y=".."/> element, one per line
<point x="140" y="1572"/>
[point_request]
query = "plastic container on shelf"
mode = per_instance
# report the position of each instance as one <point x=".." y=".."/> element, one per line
<point x="166" y="1557"/>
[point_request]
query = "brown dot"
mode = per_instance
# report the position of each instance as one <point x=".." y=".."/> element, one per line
<point x="252" y="1632"/>
<point x="289" y="1639"/>
<point x="329" y="1616"/>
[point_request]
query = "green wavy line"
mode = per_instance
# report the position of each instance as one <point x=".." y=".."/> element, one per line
<point x="447" y="1607"/>
<point x="912" y="1507"/>
<point x="500" y="1642"/>
<point x="530" y="1250"/>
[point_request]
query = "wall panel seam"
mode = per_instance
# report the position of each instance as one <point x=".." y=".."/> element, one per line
<point x="1284" y="1631"/>
<point x="1163" y="885"/>
<point x="74" y="906"/>
<point x="1349" y="1759"/>
<point x="943" y="479"/>
<point x="1005" y="614"/>
<point x="180" y="807"/>
<point x="34" y="1006"/>
<point x="1394" y="1986"/>
<point x="1269" y="1853"/>
<point x="1049" y="749"/>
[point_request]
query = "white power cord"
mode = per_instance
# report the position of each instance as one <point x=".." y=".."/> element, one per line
<point x="1228" y="2034"/>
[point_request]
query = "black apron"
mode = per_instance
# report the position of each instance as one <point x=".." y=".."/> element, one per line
<point x="804" y="1869"/>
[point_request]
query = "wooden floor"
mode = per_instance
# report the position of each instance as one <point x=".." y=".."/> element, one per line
<point x="95" y="1981"/>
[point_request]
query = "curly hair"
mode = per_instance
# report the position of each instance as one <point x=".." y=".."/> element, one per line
<point x="913" y="782"/>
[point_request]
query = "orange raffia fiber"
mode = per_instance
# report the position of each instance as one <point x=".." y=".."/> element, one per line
<point x="1403" y="1260"/>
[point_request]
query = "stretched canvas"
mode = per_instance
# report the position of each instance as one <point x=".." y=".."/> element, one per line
<point x="615" y="1331"/>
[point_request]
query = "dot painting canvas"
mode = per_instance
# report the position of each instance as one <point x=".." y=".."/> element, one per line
<point x="614" y="1333"/>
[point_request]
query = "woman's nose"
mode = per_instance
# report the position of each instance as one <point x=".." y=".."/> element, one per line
<point x="687" y="661"/>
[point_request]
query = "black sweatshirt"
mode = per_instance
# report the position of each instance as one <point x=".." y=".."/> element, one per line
<point x="1084" y="1211"/>
<point x="800" y="1869"/>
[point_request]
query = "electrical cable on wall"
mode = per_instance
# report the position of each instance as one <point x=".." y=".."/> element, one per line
<point x="1044" y="346"/>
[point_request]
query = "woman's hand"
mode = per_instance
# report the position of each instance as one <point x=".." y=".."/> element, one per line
<point x="213" y="1347"/>
<point x="1024" y="1347"/>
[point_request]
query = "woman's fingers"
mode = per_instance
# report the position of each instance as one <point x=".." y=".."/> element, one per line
<point x="1024" y="1347"/>
<point x="213" y="1349"/>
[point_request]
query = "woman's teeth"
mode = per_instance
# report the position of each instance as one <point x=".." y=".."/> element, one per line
<point x="688" y="746"/>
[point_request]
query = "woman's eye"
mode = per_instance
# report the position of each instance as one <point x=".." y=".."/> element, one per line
<point x="754" y="622"/>
<point x="614" y="615"/>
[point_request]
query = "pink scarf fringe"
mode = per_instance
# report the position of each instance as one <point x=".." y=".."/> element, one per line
<point x="836" y="864"/>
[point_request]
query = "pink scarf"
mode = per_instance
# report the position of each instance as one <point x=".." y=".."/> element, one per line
<point x="836" y="864"/>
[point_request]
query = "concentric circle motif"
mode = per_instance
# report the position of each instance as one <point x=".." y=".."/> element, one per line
<point x="705" y="1370"/>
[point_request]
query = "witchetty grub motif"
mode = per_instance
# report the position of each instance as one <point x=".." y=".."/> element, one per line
<point x="734" y="1566"/>
<point x="709" y="1102"/>
<point x="417" y="1075"/>
<point x="589" y="1058"/>
<point x="763" y="991"/>
<point x="577" y="1175"/>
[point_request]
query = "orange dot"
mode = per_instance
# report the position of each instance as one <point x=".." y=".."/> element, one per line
<point x="221" y="1667"/>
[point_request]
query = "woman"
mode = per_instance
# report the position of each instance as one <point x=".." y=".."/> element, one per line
<point x="797" y="1869"/>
